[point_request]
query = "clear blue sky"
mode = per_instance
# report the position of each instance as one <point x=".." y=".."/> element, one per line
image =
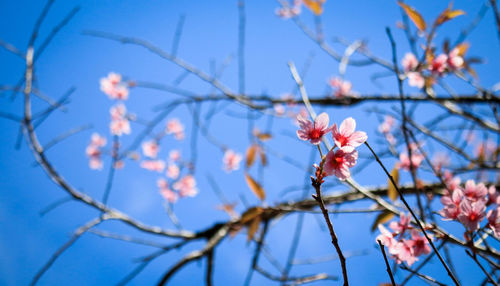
<point x="210" y="34"/>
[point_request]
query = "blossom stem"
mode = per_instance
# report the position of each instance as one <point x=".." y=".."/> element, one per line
<point x="320" y="153"/>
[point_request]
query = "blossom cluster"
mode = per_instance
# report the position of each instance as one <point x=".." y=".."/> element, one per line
<point x="231" y="160"/>
<point x="404" y="242"/>
<point x="341" y="88"/>
<point x="386" y="128"/>
<point x="113" y="86"/>
<point x="336" y="162"/>
<point x="94" y="151"/>
<point x="436" y="66"/>
<point x="468" y="204"/>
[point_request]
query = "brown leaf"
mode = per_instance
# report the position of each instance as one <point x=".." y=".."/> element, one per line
<point x="253" y="227"/>
<point x="316" y="6"/>
<point x="462" y="48"/>
<point x="447" y="15"/>
<point x="391" y="189"/>
<point x="263" y="158"/>
<point x="383" y="217"/>
<point x="250" y="155"/>
<point x="255" y="187"/>
<point x="415" y="17"/>
<point x="250" y="214"/>
<point x="264" y="136"/>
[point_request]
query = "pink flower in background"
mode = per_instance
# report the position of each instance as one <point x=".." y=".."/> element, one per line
<point x="402" y="225"/>
<point x="118" y="111"/>
<point x="150" y="149"/>
<point x="94" y="152"/>
<point x="409" y="62"/>
<point x="403" y="252"/>
<point x="313" y="132"/>
<point x="346" y="138"/>
<point x="186" y="186"/>
<point x="174" y="155"/>
<point x="338" y="163"/>
<point x="452" y="183"/>
<point x="475" y="192"/>
<point x="287" y="12"/>
<point x="173" y="171"/>
<point x="493" y="196"/>
<point x="438" y="65"/>
<point x="451" y="205"/>
<point x="404" y="161"/>
<point x="493" y="217"/>
<point x="119" y="127"/>
<point x="231" y="160"/>
<point x="153" y="165"/>
<point x="279" y="109"/>
<point x="387" y="125"/>
<point x="455" y="61"/>
<point x="419" y="244"/>
<point x="386" y="237"/>
<point x="113" y="87"/>
<point x="341" y="87"/>
<point x="471" y="213"/>
<point x="416" y="79"/>
<point x="175" y="127"/>
<point x="166" y="192"/>
<point x="440" y="160"/>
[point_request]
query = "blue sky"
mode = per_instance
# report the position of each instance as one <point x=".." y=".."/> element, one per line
<point x="210" y="35"/>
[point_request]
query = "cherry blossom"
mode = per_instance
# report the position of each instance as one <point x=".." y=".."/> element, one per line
<point x="346" y="138"/>
<point x="287" y="12"/>
<point x="402" y="225"/>
<point x="113" y="87"/>
<point x="341" y="87"/>
<point x="475" y="191"/>
<point x="186" y="186"/>
<point x="231" y="161"/>
<point x="338" y="163"/>
<point x="153" y="165"/>
<point x="416" y="79"/>
<point x="409" y="62"/>
<point x="419" y="244"/>
<point x="451" y="205"/>
<point x="166" y="192"/>
<point x="493" y="217"/>
<point x="175" y="127"/>
<point x="386" y="237"/>
<point x="313" y="132"/>
<point x="403" y="252"/>
<point x="94" y="152"/>
<point x="118" y="111"/>
<point x="404" y="161"/>
<point x="119" y="124"/>
<point x="387" y="125"/>
<point x="493" y="196"/>
<point x="471" y="213"/>
<point x="174" y="155"/>
<point x="173" y="171"/>
<point x="150" y="149"/>
<point x="455" y="60"/>
<point x="438" y="65"/>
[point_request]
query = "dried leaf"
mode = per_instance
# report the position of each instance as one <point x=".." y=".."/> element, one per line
<point x="263" y="158"/>
<point x="316" y="6"/>
<point x="250" y="214"/>
<point x="255" y="187"/>
<point x="253" y="227"/>
<point x="391" y="189"/>
<point x="447" y="15"/>
<point x="250" y="155"/>
<point x="415" y="17"/>
<point x="462" y="48"/>
<point x="264" y="136"/>
<point x="383" y="217"/>
<point x="472" y="72"/>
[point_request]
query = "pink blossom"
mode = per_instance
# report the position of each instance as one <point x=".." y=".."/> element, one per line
<point x="175" y="127"/>
<point x="93" y="151"/>
<point x="345" y="137"/>
<point x="172" y="171"/>
<point x="471" y="213"/>
<point x="404" y="161"/>
<point x="313" y="132"/>
<point x="403" y="252"/>
<point x="387" y="125"/>
<point x="119" y="127"/>
<point x="153" y="165"/>
<point x="118" y="111"/>
<point x="231" y="160"/>
<point x="440" y="160"/>
<point x="186" y="186"/>
<point x="493" y="196"/>
<point x="438" y="65"/>
<point x="97" y="140"/>
<point x="416" y="79"/>
<point x="493" y="217"/>
<point x="402" y="225"/>
<point x="166" y="192"/>
<point x="455" y="61"/>
<point x="150" y="149"/>
<point x="174" y="155"/>
<point x="95" y="163"/>
<point x="279" y="109"/>
<point x="419" y="244"/>
<point x="451" y="205"/>
<point x="342" y="87"/>
<point x="338" y="163"/>
<point x="113" y="87"/>
<point x="286" y="11"/>
<point x="409" y="62"/>
<point x="452" y="183"/>
<point x="386" y="237"/>
<point x="474" y="191"/>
